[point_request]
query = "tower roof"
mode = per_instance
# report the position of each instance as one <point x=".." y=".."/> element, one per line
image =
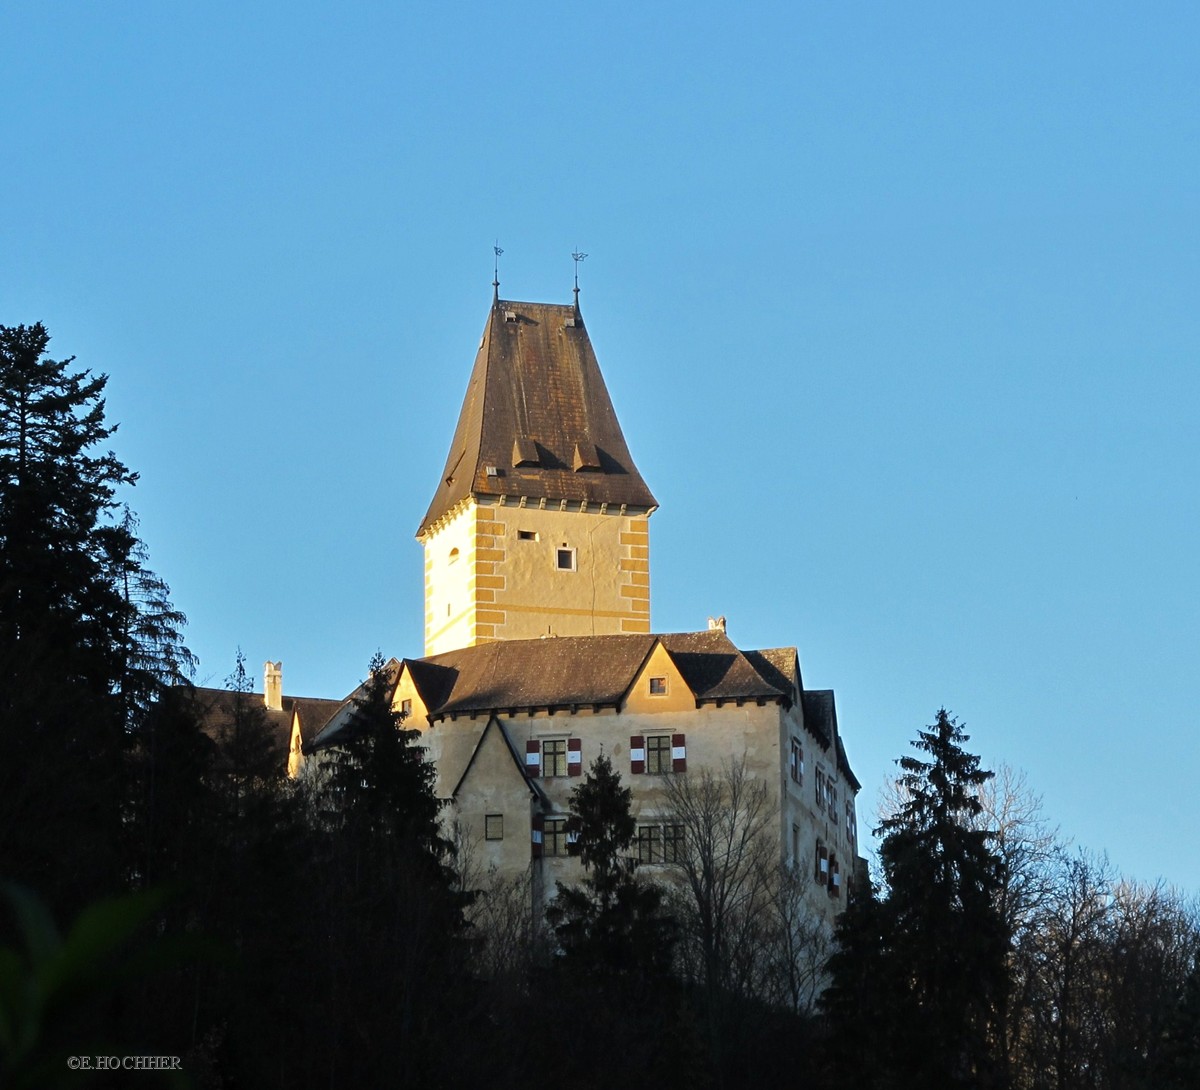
<point x="537" y="420"/>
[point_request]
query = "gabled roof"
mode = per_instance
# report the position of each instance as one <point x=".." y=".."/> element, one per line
<point x="493" y="724"/>
<point x="573" y="671"/>
<point x="343" y="715"/>
<point x="537" y="420"/>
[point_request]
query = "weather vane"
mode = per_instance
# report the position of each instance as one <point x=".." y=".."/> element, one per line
<point x="496" y="270"/>
<point x="578" y="257"/>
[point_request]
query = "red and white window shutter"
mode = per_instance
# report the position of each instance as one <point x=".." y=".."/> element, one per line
<point x="822" y="863"/>
<point x="637" y="754"/>
<point x="574" y="756"/>
<point x="535" y="837"/>
<point x="533" y="758"/>
<point x="678" y="753"/>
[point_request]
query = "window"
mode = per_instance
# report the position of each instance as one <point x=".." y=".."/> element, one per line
<point x="819" y="779"/>
<point x="833" y="805"/>
<point x="527" y="535"/>
<point x="658" y="686"/>
<point x="659" y="843"/>
<point x="554" y="836"/>
<point x="564" y="559"/>
<point x="406" y="708"/>
<point x="554" y="757"/>
<point x="822" y="874"/>
<point x="796" y="843"/>
<point x="851" y="822"/>
<point x="493" y="827"/>
<point x="796" y="762"/>
<point x="658" y="754"/>
<point x="649" y="843"/>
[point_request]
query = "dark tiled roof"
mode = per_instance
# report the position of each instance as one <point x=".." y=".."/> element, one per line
<point x="778" y="667"/>
<point x="844" y="765"/>
<point x="217" y="710"/>
<point x="537" y="420"/>
<point x="315" y="712"/>
<point x="583" y="670"/>
<point x="820" y="716"/>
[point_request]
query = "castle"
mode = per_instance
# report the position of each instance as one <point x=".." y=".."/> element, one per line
<point x="539" y="653"/>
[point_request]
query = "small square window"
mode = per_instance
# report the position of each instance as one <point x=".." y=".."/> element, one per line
<point x="493" y="827"/>
<point x="658" y="686"/>
<point x="406" y="708"/>
<point x="564" y="559"/>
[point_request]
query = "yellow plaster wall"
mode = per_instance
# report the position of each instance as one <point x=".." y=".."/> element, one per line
<point x="450" y="583"/>
<point x="500" y="587"/>
<point x="494" y="785"/>
<point x="678" y="696"/>
<point x="406" y="690"/>
<point x="714" y="736"/>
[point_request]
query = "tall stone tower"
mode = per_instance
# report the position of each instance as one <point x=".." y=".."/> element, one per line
<point x="539" y="523"/>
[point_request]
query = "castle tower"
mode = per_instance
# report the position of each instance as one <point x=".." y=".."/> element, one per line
<point x="539" y="523"/>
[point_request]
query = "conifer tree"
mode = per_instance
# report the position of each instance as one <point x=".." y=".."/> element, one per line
<point x="69" y="633"/>
<point x="928" y="961"/>
<point x="613" y="924"/>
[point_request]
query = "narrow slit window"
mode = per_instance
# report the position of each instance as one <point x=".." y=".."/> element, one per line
<point x="527" y="535"/>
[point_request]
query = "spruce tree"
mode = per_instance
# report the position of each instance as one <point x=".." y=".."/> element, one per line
<point x="928" y="961"/>
<point x="613" y="924"/>
<point x="69" y="632"/>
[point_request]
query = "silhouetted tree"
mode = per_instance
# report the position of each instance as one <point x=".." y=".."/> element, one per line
<point x="72" y="626"/>
<point x="935" y="941"/>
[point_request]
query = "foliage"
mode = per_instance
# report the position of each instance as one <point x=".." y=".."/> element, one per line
<point x="614" y="924"/>
<point x="87" y="634"/>
<point x="929" y="956"/>
<point x="54" y="989"/>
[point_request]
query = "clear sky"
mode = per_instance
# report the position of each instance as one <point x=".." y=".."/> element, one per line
<point x="897" y="304"/>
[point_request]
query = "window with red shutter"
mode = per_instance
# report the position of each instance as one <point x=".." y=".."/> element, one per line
<point x="574" y="756"/>
<point x="637" y="754"/>
<point x="533" y="758"/>
<point x="678" y="753"/>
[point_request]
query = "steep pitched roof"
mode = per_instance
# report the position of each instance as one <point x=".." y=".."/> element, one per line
<point x="343" y="714"/>
<point x="536" y="791"/>
<point x="583" y="670"/>
<point x="537" y="420"/>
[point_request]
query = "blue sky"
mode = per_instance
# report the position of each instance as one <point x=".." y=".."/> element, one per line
<point x="897" y="305"/>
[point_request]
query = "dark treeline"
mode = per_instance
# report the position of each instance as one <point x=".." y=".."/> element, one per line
<point x="333" y="932"/>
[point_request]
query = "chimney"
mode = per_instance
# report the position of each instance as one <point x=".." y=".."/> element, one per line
<point x="273" y="686"/>
<point x="716" y="624"/>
